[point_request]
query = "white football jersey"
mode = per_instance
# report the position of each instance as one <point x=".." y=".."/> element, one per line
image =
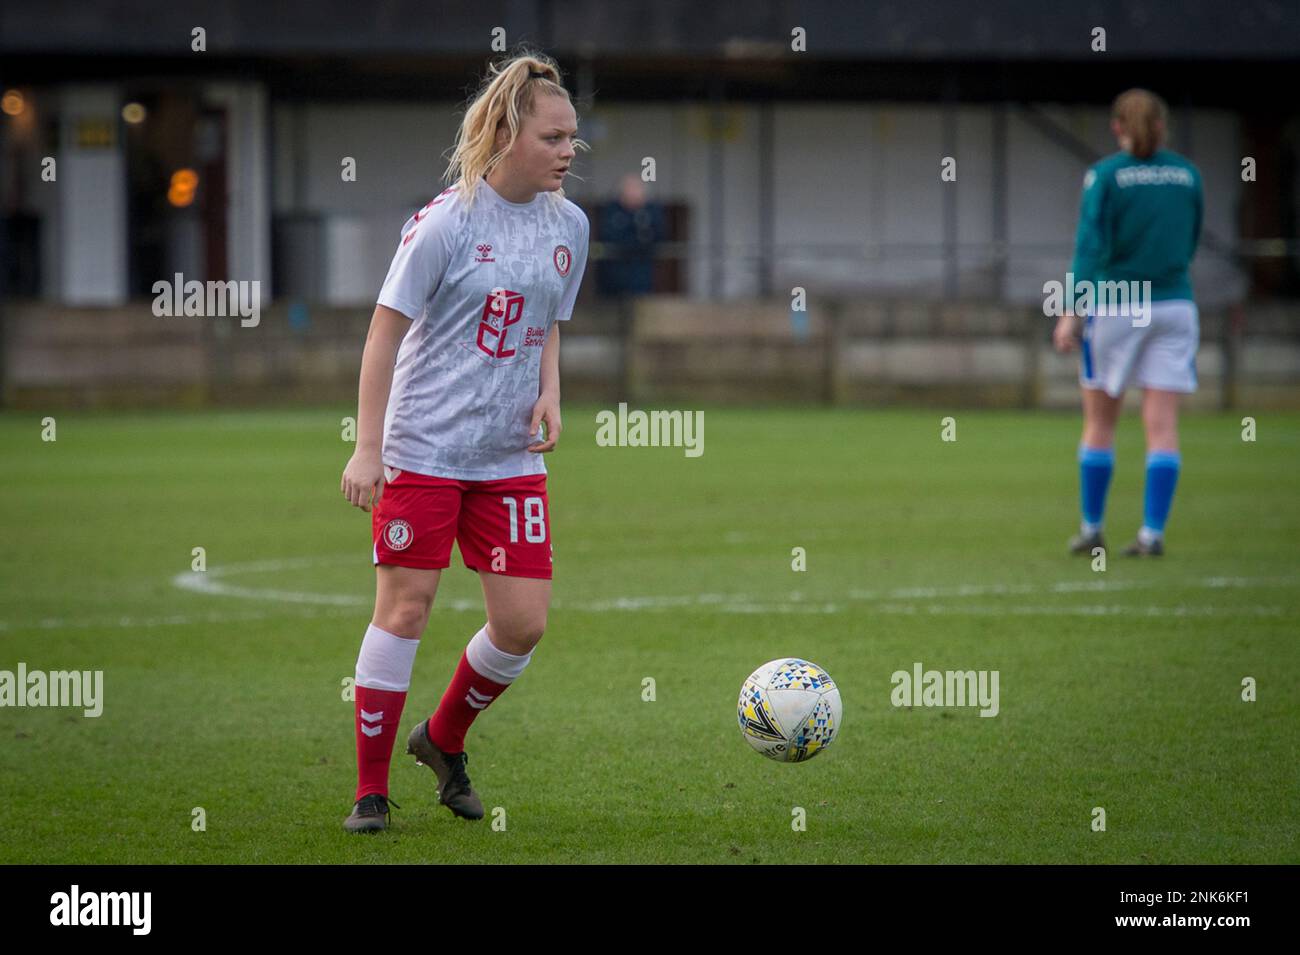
<point x="482" y="285"/>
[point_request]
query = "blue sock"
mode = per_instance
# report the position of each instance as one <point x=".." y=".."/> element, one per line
<point x="1162" y="478"/>
<point x="1095" y="467"/>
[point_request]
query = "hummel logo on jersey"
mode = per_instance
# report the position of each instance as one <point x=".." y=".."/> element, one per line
<point x="477" y="700"/>
<point x="484" y="253"/>
<point x="371" y="718"/>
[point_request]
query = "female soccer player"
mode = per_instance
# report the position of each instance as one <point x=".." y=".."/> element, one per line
<point x="469" y="315"/>
<point x="1140" y="223"/>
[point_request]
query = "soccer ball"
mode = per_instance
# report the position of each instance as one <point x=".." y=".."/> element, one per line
<point x="789" y="710"/>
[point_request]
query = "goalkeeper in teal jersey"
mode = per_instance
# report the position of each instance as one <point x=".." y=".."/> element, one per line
<point x="1138" y="228"/>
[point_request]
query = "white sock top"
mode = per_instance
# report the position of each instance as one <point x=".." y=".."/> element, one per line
<point x="496" y="665"/>
<point x="386" y="660"/>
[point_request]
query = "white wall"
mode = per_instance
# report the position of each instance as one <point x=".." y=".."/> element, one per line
<point x="248" y="238"/>
<point x="89" y="244"/>
<point x="858" y="201"/>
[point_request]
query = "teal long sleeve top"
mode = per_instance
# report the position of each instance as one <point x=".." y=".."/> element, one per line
<point x="1140" y="220"/>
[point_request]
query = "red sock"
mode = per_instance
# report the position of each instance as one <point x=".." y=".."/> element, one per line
<point x="377" y="716"/>
<point x="468" y="695"/>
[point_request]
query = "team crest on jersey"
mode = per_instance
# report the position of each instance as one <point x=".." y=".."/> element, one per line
<point x="398" y="534"/>
<point x="563" y="259"/>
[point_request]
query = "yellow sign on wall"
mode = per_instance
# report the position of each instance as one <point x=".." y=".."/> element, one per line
<point x="95" y="134"/>
<point x="727" y="125"/>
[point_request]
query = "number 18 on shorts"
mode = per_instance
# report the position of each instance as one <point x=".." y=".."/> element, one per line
<point x="501" y="526"/>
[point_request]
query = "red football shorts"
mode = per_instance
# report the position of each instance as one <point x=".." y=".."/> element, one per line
<point x="502" y="527"/>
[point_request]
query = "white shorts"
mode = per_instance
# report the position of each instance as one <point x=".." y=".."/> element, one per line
<point x="1162" y="354"/>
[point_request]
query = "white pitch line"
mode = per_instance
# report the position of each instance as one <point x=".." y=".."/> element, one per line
<point x="168" y="620"/>
<point x="212" y="582"/>
<point x="897" y="601"/>
<point x="1182" y="610"/>
<point x="890" y="609"/>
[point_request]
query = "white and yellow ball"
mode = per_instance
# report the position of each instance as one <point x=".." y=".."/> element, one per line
<point x="789" y="710"/>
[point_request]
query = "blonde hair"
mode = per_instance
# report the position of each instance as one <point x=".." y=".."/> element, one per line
<point x="1142" y="116"/>
<point x="507" y="94"/>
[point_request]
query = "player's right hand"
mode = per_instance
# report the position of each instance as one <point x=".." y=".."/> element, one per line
<point x="1066" y="334"/>
<point x="363" y="480"/>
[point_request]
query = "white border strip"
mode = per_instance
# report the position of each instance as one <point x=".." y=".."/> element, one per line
<point x="900" y="601"/>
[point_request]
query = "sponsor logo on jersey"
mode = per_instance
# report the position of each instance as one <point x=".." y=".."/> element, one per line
<point x="563" y="259"/>
<point x="1153" y="176"/>
<point x="496" y="341"/>
<point x="398" y="534"/>
<point x="484" y="251"/>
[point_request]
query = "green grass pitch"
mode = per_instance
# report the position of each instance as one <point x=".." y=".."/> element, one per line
<point x="1119" y="689"/>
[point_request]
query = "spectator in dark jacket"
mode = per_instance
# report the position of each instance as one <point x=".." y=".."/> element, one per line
<point x="629" y="228"/>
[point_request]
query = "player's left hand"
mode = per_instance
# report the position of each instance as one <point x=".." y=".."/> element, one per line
<point x="1065" y="337"/>
<point x="546" y="410"/>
